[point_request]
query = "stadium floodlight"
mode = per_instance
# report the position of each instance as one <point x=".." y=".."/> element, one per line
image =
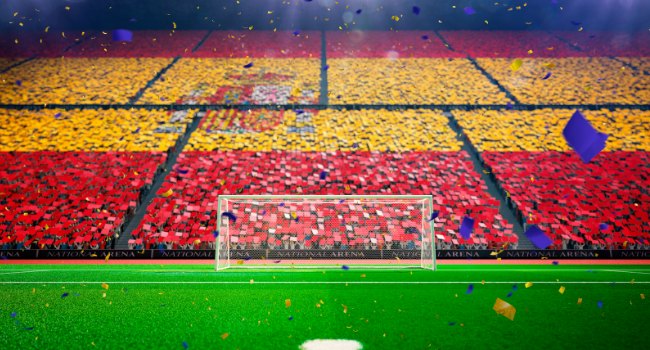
<point x="316" y="231"/>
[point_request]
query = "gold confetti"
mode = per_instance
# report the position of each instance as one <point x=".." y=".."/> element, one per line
<point x="224" y="336"/>
<point x="108" y="256"/>
<point x="345" y="309"/>
<point x="530" y="52"/>
<point x="516" y="64"/>
<point x="67" y="8"/>
<point x="174" y="24"/>
<point x="562" y="289"/>
<point x="252" y="281"/>
<point x="287" y="303"/>
<point x="643" y="296"/>
<point x="105" y="286"/>
<point x="579" y="301"/>
<point x="168" y="193"/>
<point x="395" y="18"/>
<point x="528" y="284"/>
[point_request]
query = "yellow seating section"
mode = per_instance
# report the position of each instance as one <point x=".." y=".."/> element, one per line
<point x="86" y="130"/>
<point x="409" y="81"/>
<point x="78" y="80"/>
<point x="346" y="130"/>
<point x="210" y="74"/>
<point x="541" y="130"/>
<point x="6" y="62"/>
<point x="642" y="63"/>
<point x="573" y="81"/>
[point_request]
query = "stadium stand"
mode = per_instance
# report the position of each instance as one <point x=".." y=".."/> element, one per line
<point x="410" y="81"/>
<point x="642" y="63"/>
<point x="229" y="81"/>
<point x="6" y="62"/>
<point x="609" y="44"/>
<point x="43" y="44"/>
<point x="503" y="44"/>
<point x="144" y="44"/>
<point x="78" y="80"/>
<point x="179" y="220"/>
<point x="325" y="130"/>
<point x="573" y="81"/>
<point x="373" y="44"/>
<point x="541" y="129"/>
<point x="261" y="44"/>
<point x="70" y="200"/>
<point x="91" y="130"/>
<point x="570" y="200"/>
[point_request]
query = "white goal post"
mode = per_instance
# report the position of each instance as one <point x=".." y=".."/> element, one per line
<point x="315" y="231"/>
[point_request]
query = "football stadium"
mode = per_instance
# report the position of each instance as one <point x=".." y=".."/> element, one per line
<point x="324" y="174"/>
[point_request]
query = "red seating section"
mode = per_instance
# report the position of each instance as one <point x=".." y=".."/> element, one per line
<point x="144" y="44"/>
<point x="189" y="214"/>
<point x="258" y="44"/>
<point x="75" y="198"/>
<point x="569" y="199"/>
<point x="403" y="44"/>
<point x="610" y="44"/>
<point x="28" y="44"/>
<point x="508" y="44"/>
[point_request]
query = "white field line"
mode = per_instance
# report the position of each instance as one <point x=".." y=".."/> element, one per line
<point x="352" y="269"/>
<point x="323" y="282"/>
<point x="25" y="271"/>
<point x="629" y="271"/>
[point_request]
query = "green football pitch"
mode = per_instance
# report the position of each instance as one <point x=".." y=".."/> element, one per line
<point x="194" y="307"/>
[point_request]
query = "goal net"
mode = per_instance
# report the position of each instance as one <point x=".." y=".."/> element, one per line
<point x="324" y="231"/>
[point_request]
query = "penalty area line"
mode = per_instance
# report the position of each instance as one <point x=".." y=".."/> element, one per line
<point x="323" y="282"/>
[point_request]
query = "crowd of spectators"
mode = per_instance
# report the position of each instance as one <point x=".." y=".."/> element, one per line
<point x="325" y="130"/>
<point x="541" y="129"/>
<point x="508" y="44"/>
<point x="95" y="130"/>
<point x="145" y="43"/>
<point x="71" y="200"/>
<point x="601" y="205"/>
<point x="261" y="44"/>
<point x="383" y="44"/>
<point x="186" y="216"/>
<point x="78" y="80"/>
<point x="237" y="81"/>
<point x="580" y="80"/>
<point x="409" y="81"/>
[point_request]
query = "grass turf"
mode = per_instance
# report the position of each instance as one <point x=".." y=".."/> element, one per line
<point x="246" y="309"/>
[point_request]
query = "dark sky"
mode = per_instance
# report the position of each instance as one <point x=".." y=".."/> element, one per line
<point x="325" y="14"/>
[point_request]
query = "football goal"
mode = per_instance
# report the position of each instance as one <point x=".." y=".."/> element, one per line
<point x="313" y="231"/>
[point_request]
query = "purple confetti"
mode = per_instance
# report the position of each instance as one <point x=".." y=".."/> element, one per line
<point x="281" y="204"/>
<point x="296" y="33"/>
<point x="358" y="11"/>
<point x="230" y="216"/>
<point x="136" y="131"/>
<point x="452" y="323"/>
<point x="434" y="215"/>
<point x="548" y="75"/>
<point x="182" y="171"/>
<point x="277" y="261"/>
<point x="416" y="10"/>
<point x="28" y="328"/>
<point x="576" y="23"/>
<point x="323" y="175"/>
<point x="509" y="295"/>
<point x="64" y="295"/>
<point x="248" y="65"/>
<point x="425" y="37"/>
<point x="185" y="345"/>
<point x="603" y="226"/>
<point x="13" y="314"/>
<point x="57" y="116"/>
<point x="556" y="262"/>
<point x="19" y="83"/>
<point x="600" y="304"/>
<point x="215" y="234"/>
<point x="470" y="289"/>
<point x="469" y="11"/>
<point x="514" y="287"/>
<point x="509" y="106"/>
<point x="327" y="66"/>
<point x="290" y="318"/>
<point x="345" y="267"/>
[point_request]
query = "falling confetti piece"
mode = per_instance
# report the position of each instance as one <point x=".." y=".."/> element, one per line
<point x="215" y="234"/>
<point x="287" y="303"/>
<point x="579" y="301"/>
<point x="548" y="75"/>
<point x="230" y="216"/>
<point x="19" y="83"/>
<point x="185" y="345"/>
<point x="562" y="289"/>
<point x="469" y="11"/>
<point x="64" y="295"/>
<point x="516" y="64"/>
<point x="416" y="10"/>
<point x="528" y="284"/>
<point x="224" y="336"/>
<point x="642" y="296"/>
<point x="603" y="227"/>
<point x="13" y="314"/>
<point x="600" y="304"/>
<point x="345" y="309"/>
<point x="470" y="289"/>
<point x="108" y="256"/>
<point x="167" y="193"/>
<point x="174" y="24"/>
<point x="452" y="323"/>
<point x="358" y="12"/>
<point x="504" y="309"/>
<point x="434" y="215"/>
<point x="323" y="175"/>
<point x="425" y="37"/>
<point x="345" y="267"/>
<point x="248" y="65"/>
<point x="509" y="295"/>
<point x="556" y="262"/>
<point x="105" y="286"/>
<point x="290" y="318"/>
